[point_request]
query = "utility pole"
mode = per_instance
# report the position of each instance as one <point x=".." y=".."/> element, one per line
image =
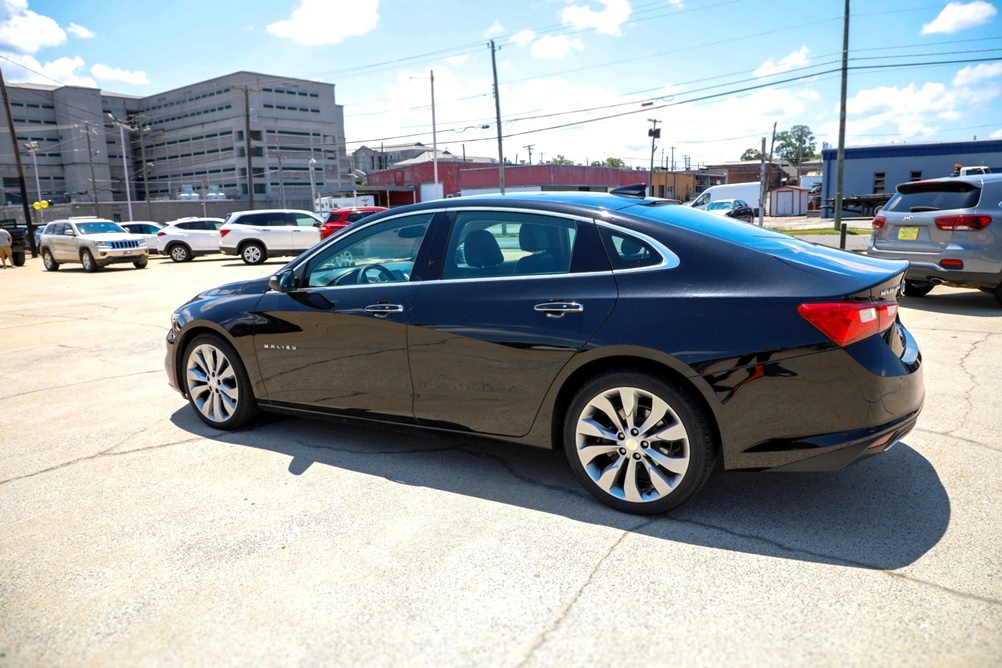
<point x="674" y="176"/>
<point x="93" y="180"/>
<point x="654" y="134"/>
<point x="840" y="162"/>
<point x="31" y="147"/>
<point x="125" y="162"/>
<point x="247" y="144"/>
<point x="761" y="189"/>
<point x="497" y="112"/>
<point x="772" y="148"/>
<point x="434" y="135"/>
<point x="20" y="169"/>
<point x="529" y="149"/>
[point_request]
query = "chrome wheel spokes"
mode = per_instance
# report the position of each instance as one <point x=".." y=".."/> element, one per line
<point x="212" y="383"/>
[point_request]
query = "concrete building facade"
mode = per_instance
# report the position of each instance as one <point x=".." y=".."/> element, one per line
<point x="188" y="143"/>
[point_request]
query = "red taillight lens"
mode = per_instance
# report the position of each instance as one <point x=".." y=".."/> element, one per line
<point x="968" y="222"/>
<point x="951" y="264"/>
<point x="878" y="222"/>
<point x="846" y="323"/>
<point x="223" y="233"/>
<point x="161" y="233"/>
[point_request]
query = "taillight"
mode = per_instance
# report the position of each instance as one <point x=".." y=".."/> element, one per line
<point x="878" y="222"/>
<point x="968" y="222"/>
<point x="951" y="264"/>
<point x="846" y="323"/>
<point x="223" y="233"/>
<point x="161" y="233"/>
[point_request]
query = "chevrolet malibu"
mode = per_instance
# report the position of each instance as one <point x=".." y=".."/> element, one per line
<point x="651" y="343"/>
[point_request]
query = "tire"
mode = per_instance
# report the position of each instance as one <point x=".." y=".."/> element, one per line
<point x="998" y="294"/>
<point x="18" y="258"/>
<point x="90" y="265"/>
<point x="917" y="288"/>
<point x="141" y="262"/>
<point x="48" y="261"/>
<point x="253" y="253"/>
<point x="604" y="439"/>
<point x="216" y="383"/>
<point x="179" y="253"/>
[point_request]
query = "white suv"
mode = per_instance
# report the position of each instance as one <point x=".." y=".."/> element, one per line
<point x="93" y="242"/>
<point x="186" y="238"/>
<point x="257" y="235"/>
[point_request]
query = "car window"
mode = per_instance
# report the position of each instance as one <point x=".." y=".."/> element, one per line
<point x="496" y="243"/>
<point x="99" y="228"/>
<point x="739" y="204"/>
<point x="628" y="252"/>
<point x="383" y="253"/>
<point x="264" y="219"/>
<point x="187" y="226"/>
<point x="718" y="206"/>
<point x="302" y="220"/>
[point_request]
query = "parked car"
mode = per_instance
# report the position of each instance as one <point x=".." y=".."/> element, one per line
<point x="643" y="342"/>
<point x="732" y="208"/>
<point x="146" y="229"/>
<point x="18" y="240"/>
<point x="187" y="238"/>
<point x="749" y="192"/>
<point x="944" y="229"/>
<point x="257" y="235"/>
<point x="93" y="242"/>
<point x="338" y="219"/>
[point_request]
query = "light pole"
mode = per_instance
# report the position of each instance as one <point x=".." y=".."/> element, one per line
<point x="313" y="186"/>
<point x="31" y="147"/>
<point x="93" y="179"/>
<point x="434" y="133"/>
<point x="654" y="134"/>
<point x="125" y="162"/>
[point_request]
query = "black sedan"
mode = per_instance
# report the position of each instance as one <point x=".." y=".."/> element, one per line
<point x="649" y="346"/>
<point x="732" y="208"/>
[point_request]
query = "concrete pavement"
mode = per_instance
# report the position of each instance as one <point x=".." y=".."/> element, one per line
<point x="134" y="535"/>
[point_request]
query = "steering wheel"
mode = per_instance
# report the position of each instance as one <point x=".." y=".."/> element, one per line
<point x="382" y="274"/>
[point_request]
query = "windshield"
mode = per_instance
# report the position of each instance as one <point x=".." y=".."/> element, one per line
<point x="100" y="228"/>
<point x="720" y="206"/>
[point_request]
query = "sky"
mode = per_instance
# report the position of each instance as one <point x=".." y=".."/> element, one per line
<point x="582" y="79"/>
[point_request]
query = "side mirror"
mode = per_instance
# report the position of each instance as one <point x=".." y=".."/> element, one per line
<point x="284" y="282"/>
<point x="69" y="233"/>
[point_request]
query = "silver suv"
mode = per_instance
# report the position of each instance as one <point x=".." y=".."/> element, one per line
<point x="950" y="231"/>
<point x="257" y="235"/>
<point x="93" y="242"/>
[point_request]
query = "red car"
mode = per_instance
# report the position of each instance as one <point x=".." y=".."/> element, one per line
<point x="338" y="219"/>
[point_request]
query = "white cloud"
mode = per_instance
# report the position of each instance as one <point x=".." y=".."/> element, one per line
<point x="324" y="22"/>
<point x="66" y="71"/>
<point x="555" y="47"/>
<point x="79" y="31"/>
<point x="796" y="59"/>
<point x="523" y="37"/>
<point x="495" y="30"/>
<point x="457" y="60"/>
<point x="996" y="135"/>
<point x="106" y="73"/>
<point x="957" y="16"/>
<point x="24" y="31"/>
<point x="972" y="75"/>
<point x="607" y="21"/>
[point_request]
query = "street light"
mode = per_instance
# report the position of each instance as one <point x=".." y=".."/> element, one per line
<point x="313" y="185"/>
<point x="654" y="133"/>
<point x="434" y="132"/>
<point x="31" y="147"/>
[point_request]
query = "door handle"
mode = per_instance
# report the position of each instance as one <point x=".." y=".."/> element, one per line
<point x="383" y="310"/>
<point x="558" y="309"/>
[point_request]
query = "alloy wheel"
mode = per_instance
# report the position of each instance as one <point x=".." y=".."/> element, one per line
<point x="212" y="383"/>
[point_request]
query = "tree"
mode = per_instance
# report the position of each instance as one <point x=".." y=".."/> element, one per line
<point x="796" y="145"/>
<point x="561" y="160"/>
<point x="609" y="162"/>
<point x="751" y="154"/>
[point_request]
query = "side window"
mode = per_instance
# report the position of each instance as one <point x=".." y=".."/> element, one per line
<point x="495" y="243"/>
<point x="702" y="200"/>
<point x="384" y="253"/>
<point x="303" y="220"/>
<point x="628" y="252"/>
<point x="188" y="226"/>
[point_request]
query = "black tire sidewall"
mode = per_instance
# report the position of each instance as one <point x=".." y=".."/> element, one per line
<point x="246" y="405"/>
<point x="701" y="443"/>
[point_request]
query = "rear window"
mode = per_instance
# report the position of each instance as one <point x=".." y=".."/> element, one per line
<point x="934" y="196"/>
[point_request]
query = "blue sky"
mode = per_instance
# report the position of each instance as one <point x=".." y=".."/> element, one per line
<point x="574" y="74"/>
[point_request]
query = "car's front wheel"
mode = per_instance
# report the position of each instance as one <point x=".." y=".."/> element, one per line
<point x="917" y="288"/>
<point x="253" y="253"/>
<point x="638" y="443"/>
<point x="88" y="261"/>
<point x="48" y="261"/>
<point x="179" y="253"/>
<point x="217" y="384"/>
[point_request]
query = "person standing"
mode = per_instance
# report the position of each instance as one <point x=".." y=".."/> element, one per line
<point x="5" y="243"/>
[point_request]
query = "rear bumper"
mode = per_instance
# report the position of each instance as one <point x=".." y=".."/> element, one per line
<point x="980" y="271"/>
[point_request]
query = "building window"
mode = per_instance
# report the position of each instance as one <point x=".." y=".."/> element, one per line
<point x="878" y="182"/>
<point x="916" y="176"/>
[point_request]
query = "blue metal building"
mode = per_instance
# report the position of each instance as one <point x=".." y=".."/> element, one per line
<point x="879" y="169"/>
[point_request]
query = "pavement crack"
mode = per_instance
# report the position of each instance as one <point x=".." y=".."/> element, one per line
<point x="950" y="434"/>
<point x="544" y="636"/>
<point x="974" y="383"/>
<point x="82" y="382"/>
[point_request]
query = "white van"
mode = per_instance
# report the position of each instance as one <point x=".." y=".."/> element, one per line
<point x="749" y="192"/>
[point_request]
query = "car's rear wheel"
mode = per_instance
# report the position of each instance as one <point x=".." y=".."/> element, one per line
<point x="253" y="253"/>
<point x="18" y="258"/>
<point x="88" y="261"/>
<point x="917" y="288"/>
<point x="638" y="443"/>
<point x="179" y="253"/>
<point x="217" y="384"/>
<point x="141" y="262"/>
<point x="48" y="261"/>
<point x="998" y="294"/>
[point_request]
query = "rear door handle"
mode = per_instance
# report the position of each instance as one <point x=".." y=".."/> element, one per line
<point x="383" y="310"/>
<point x="558" y="309"/>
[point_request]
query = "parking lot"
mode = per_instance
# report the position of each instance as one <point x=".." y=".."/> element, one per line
<point x="135" y="535"/>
